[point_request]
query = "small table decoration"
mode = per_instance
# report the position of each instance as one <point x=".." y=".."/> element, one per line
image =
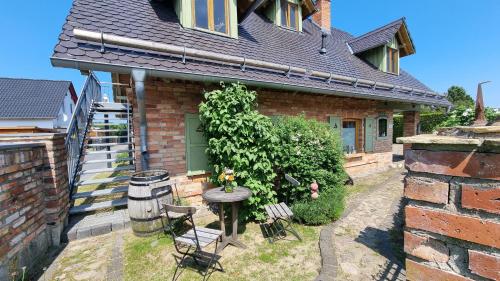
<point x="227" y="179"/>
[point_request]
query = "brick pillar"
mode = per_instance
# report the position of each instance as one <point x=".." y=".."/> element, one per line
<point x="410" y="125"/>
<point x="453" y="215"/>
<point x="323" y="16"/>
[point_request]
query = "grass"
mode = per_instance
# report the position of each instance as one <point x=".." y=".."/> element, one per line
<point x="287" y="259"/>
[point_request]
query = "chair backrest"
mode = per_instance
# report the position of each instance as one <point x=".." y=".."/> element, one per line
<point x="187" y="212"/>
<point x="291" y="180"/>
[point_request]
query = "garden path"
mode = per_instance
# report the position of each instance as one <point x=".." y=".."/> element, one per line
<point x="368" y="240"/>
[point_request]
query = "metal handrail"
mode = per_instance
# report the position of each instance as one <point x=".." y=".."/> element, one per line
<point x="77" y="129"/>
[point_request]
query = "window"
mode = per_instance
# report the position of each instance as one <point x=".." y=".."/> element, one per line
<point x="289" y="15"/>
<point x="382" y="127"/>
<point x="392" y="60"/>
<point x="211" y="15"/>
<point x="350" y="136"/>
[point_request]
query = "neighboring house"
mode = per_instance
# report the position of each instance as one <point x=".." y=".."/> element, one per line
<point x="32" y="105"/>
<point x="286" y="50"/>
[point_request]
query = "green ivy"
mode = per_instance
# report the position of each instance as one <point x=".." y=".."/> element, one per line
<point x="309" y="150"/>
<point x="241" y="139"/>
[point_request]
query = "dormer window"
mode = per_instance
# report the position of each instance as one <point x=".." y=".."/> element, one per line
<point x="392" y="60"/>
<point x="211" y="15"/>
<point x="289" y="15"/>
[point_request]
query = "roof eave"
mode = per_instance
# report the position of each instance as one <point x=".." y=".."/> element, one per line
<point x="125" y="69"/>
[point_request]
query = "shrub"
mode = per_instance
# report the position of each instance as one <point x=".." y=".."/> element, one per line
<point x="328" y="207"/>
<point x="309" y="150"/>
<point x="463" y="116"/>
<point x="241" y="139"/>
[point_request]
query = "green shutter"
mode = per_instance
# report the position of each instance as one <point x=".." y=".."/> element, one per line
<point x="196" y="144"/>
<point x="369" y="134"/>
<point x="335" y="123"/>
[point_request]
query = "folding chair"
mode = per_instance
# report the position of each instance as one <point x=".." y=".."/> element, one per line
<point x="192" y="242"/>
<point x="281" y="217"/>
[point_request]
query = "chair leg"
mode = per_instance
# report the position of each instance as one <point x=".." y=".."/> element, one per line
<point x="290" y="229"/>
<point x="179" y="264"/>
<point x="209" y="265"/>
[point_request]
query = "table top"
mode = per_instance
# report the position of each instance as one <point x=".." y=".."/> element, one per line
<point x="218" y="195"/>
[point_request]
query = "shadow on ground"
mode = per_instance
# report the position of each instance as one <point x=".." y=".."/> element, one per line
<point x="388" y="243"/>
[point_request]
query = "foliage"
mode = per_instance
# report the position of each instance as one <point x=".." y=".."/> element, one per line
<point x="309" y="150"/>
<point x="459" y="97"/>
<point x="328" y="207"/>
<point x="241" y="139"/>
<point x="462" y="116"/>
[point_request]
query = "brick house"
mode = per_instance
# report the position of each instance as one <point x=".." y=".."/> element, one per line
<point x="170" y="52"/>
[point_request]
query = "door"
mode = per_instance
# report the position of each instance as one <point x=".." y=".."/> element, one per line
<point x="369" y="134"/>
<point x="349" y="136"/>
<point x="196" y="144"/>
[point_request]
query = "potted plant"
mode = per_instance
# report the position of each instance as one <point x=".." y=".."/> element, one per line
<point x="227" y="180"/>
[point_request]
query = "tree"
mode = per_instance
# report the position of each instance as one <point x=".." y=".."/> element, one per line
<point x="459" y="97"/>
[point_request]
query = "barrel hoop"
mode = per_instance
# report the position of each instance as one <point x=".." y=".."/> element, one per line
<point x="145" y="219"/>
<point x="162" y="176"/>
<point x="144" y="198"/>
<point x="146" y="231"/>
<point x="135" y="183"/>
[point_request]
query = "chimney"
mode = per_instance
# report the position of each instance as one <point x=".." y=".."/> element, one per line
<point x="323" y="16"/>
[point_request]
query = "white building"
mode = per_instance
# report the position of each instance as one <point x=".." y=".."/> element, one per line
<point x="35" y="104"/>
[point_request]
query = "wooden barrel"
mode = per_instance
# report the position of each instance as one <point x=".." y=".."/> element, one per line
<point x="147" y="191"/>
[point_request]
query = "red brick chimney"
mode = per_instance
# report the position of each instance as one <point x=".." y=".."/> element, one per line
<point x="323" y="16"/>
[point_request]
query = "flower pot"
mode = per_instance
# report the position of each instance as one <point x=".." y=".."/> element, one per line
<point x="228" y="188"/>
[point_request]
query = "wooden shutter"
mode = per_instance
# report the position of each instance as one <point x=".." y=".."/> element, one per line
<point x="369" y="134"/>
<point x="196" y="144"/>
<point x="335" y="123"/>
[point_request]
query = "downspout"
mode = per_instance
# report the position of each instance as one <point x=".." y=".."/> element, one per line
<point x="139" y="76"/>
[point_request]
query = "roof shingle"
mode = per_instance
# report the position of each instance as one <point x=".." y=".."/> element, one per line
<point x="258" y="39"/>
<point x="29" y="98"/>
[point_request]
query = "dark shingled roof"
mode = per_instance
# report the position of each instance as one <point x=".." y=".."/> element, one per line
<point x="258" y="39"/>
<point x="375" y="38"/>
<point x="29" y="98"/>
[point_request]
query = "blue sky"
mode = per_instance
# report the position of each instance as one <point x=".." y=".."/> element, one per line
<point x="457" y="40"/>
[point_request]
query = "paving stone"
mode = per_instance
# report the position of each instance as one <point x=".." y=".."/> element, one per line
<point x="83" y="232"/>
<point x="100" y="229"/>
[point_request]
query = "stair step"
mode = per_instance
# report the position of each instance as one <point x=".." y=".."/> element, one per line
<point x="107" y="131"/>
<point x="107" y="160"/>
<point x="111" y="107"/>
<point x="101" y="181"/>
<point x="108" y="151"/>
<point x="98" y="206"/>
<point x="107" y="144"/>
<point x="101" y="192"/>
<point x="108" y="170"/>
<point x="107" y="137"/>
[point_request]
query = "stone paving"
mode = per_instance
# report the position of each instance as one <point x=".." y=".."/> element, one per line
<point x="367" y="241"/>
<point x="84" y="226"/>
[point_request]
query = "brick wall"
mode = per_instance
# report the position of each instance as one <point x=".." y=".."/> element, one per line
<point x="411" y="119"/>
<point x="34" y="199"/>
<point x="453" y="215"/>
<point x="168" y="101"/>
<point x="323" y="16"/>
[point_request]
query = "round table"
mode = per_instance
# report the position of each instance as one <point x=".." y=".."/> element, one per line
<point x="218" y="195"/>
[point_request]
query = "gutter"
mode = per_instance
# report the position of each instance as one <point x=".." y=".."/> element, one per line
<point x="104" y="38"/>
<point x="171" y="74"/>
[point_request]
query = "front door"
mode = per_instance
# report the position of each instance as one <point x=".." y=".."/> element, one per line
<point x="349" y="136"/>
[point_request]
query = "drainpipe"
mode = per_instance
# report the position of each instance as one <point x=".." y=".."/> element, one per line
<point x="139" y="75"/>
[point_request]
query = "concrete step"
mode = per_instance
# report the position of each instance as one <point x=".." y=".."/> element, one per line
<point x="97" y="206"/>
<point x="108" y="151"/>
<point x="99" y="130"/>
<point x="112" y="160"/>
<point x="102" y="181"/>
<point x="108" y="170"/>
<point x="101" y="192"/>
<point x="84" y="225"/>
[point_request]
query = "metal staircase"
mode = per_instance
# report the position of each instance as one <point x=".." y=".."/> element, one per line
<point x="101" y="152"/>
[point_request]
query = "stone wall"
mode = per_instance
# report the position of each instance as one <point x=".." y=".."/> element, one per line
<point x="34" y="198"/>
<point x="168" y="101"/>
<point x="453" y="215"/>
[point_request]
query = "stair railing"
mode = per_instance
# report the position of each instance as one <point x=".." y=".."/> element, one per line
<point x="78" y="126"/>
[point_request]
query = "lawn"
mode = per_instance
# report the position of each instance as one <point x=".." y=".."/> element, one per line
<point x="287" y="259"/>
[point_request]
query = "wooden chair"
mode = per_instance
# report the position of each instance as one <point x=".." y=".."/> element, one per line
<point x="192" y="242"/>
<point x="281" y="217"/>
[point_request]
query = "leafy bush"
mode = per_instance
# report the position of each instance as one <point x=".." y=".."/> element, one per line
<point x="328" y="207"/>
<point x="463" y="116"/>
<point x="241" y="139"/>
<point x="309" y="150"/>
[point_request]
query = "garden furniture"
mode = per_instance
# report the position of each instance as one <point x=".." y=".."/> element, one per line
<point x="219" y="195"/>
<point x="192" y="242"/>
<point x="280" y="213"/>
